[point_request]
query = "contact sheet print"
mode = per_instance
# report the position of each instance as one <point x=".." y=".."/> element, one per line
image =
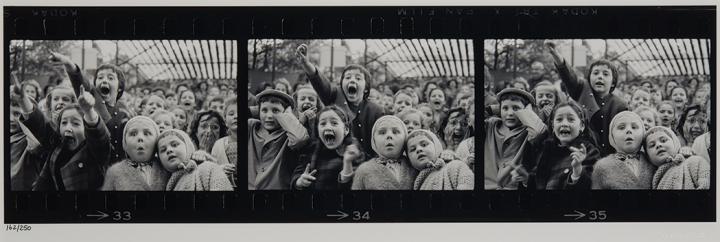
<point x="359" y="114"/>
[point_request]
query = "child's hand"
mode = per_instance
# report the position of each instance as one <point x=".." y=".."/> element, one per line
<point x="228" y="168"/>
<point x="201" y="156"/>
<point x="578" y="155"/>
<point x="553" y="52"/>
<point x="306" y="179"/>
<point x="447" y="155"/>
<point x="519" y="174"/>
<point x="352" y="153"/>
<point x="686" y="151"/>
<point x="302" y="55"/>
<point x="307" y="115"/>
<point x="86" y="100"/>
<point x="57" y="59"/>
<point x="18" y="96"/>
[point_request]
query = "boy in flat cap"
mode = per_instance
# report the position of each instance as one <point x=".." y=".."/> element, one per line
<point x="273" y="142"/>
<point x="507" y="138"/>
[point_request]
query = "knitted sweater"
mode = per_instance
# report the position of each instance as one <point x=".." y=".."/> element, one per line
<point x="609" y="173"/>
<point x="372" y="175"/>
<point x="207" y="176"/>
<point x="691" y="174"/>
<point x="123" y="176"/>
<point x="455" y="175"/>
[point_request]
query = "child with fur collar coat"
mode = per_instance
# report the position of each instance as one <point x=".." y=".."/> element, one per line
<point x="390" y="170"/>
<point x="424" y="150"/>
<point x="627" y="168"/>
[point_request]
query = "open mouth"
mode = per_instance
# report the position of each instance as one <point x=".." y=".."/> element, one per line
<point x="352" y="89"/>
<point x="564" y="132"/>
<point x="305" y="106"/>
<point x="104" y="89"/>
<point x="436" y="103"/>
<point x="59" y="107"/>
<point x="457" y="135"/>
<point x="329" y="137"/>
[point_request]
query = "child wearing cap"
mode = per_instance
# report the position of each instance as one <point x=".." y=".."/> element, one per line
<point x="595" y="95"/>
<point x="350" y="96"/>
<point x="508" y="137"/>
<point x="273" y="142"/>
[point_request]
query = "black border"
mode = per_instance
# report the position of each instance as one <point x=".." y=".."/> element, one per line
<point x="243" y="23"/>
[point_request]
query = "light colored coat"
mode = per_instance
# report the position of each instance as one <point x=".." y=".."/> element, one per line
<point x="123" y="176"/>
<point x="455" y="175"/>
<point x="609" y="173"/>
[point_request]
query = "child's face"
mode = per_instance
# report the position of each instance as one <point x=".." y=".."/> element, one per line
<point x="465" y="103"/>
<point x="507" y="112"/>
<point x="171" y="100"/>
<point x="412" y="121"/>
<point x="30" y="92"/>
<point x="455" y="129"/>
<point x="421" y="151"/>
<point x="140" y="143"/>
<point x="306" y="99"/>
<point x="164" y="122"/>
<point x="429" y="88"/>
<point x="208" y="126"/>
<point x="281" y="87"/>
<point x="679" y="97"/>
<point x="428" y="113"/>
<point x="155" y="103"/>
<point x="388" y="102"/>
<point x="180" y="119"/>
<point x="695" y="125"/>
<point x="601" y="79"/>
<point x="437" y="99"/>
<point x="172" y="152"/>
<point x="187" y="99"/>
<point x="231" y="117"/>
<point x="670" y="85"/>
<point x="545" y="97"/>
<point x="107" y="83"/>
<point x="658" y="147"/>
<point x="375" y="97"/>
<point x="214" y="91"/>
<point x="519" y="85"/>
<point x="567" y="125"/>
<point x="72" y="128"/>
<point x="389" y="140"/>
<point x="648" y="119"/>
<point x="628" y="135"/>
<point x="15" y="113"/>
<point x="401" y="102"/>
<point x="217" y="106"/>
<point x="268" y="110"/>
<point x="667" y="115"/>
<point x="60" y="98"/>
<point x="353" y="85"/>
<point x="331" y="129"/>
<point x="700" y="97"/>
<point x="640" y="98"/>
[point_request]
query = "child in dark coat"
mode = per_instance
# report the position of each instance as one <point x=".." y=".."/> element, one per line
<point x="350" y="96"/>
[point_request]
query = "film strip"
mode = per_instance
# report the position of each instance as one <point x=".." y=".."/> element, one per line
<point x="473" y="25"/>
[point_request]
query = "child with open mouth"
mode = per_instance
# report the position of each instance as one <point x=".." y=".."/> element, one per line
<point x="666" y="112"/>
<point x="333" y="158"/>
<point x="308" y="104"/>
<point x="675" y="172"/>
<point x="455" y="128"/>
<point x="390" y="170"/>
<point x="595" y="95"/>
<point x="141" y="170"/>
<point x="628" y="168"/>
<point x="423" y="149"/>
<point x="191" y="170"/>
<point x="80" y="145"/>
<point x="564" y="160"/>
<point x="351" y="96"/>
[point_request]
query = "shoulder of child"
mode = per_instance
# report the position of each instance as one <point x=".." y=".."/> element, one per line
<point x="604" y="163"/>
<point x="697" y="163"/>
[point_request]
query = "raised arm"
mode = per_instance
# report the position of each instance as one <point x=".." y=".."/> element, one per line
<point x="32" y="118"/>
<point x="296" y="132"/>
<point x="322" y="86"/>
<point x="568" y="77"/>
<point x="77" y="81"/>
<point x="96" y="133"/>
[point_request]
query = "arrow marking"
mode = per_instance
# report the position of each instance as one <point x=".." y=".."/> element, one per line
<point x="577" y="215"/>
<point x="340" y="216"/>
<point x="99" y="216"/>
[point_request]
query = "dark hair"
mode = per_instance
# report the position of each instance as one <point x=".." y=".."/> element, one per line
<point x="451" y="81"/>
<point x="183" y="92"/>
<point x="178" y="88"/>
<point x="667" y="93"/>
<point x="344" y="118"/>
<point x="169" y="94"/>
<point x="196" y="124"/>
<point x="159" y="89"/>
<point x="120" y="75"/>
<point x="514" y="97"/>
<point x="67" y="108"/>
<point x="425" y="89"/>
<point x="613" y="71"/>
<point x="687" y="94"/>
<point x="365" y="72"/>
<point x="683" y="118"/>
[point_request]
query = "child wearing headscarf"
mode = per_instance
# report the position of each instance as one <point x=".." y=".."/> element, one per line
<point x="627" y="168"/>
<point x="191" y="170"/>
<point x="675" y="172"/>
<point x="390" y="170"/>
<point x="140" y="171"/>
<point x="423" y="149"/>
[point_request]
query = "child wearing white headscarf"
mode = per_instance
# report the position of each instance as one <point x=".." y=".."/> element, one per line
<point x="191" y="170"/>
<point x="423" y="149"/>
<point x="627" y="168"/>
<point x="675" y="172"/>
<point x="141" y="170"/>
<point x="390" y="170"/>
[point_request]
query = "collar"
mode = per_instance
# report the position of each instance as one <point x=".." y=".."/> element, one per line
<point x="385" y="161"/>
<point x="140" y="164"/>
<point x="624" y="157"/>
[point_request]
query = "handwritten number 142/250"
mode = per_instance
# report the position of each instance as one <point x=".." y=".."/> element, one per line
<point x="18" y="227"/>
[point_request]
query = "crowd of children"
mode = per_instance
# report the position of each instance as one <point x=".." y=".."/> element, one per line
<point x="351" y="134"/>
<point x="96" y="133"/>
<point x="595" y="132"/>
